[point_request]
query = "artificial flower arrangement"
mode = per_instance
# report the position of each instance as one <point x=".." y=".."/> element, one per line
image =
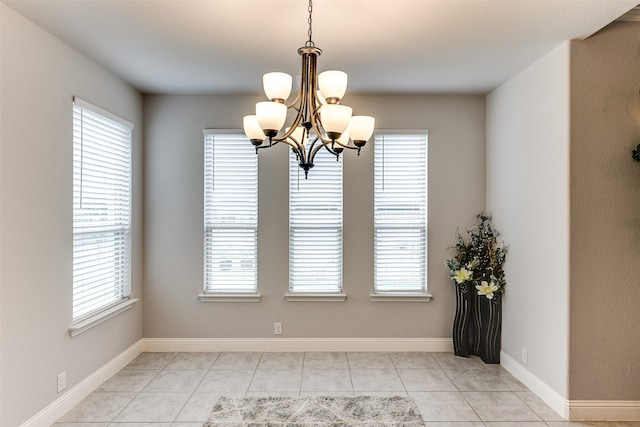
<point x="479" y="261"/>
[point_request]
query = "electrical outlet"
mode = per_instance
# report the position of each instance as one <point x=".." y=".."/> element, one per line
<point x="62" y="381"/>
<point x="525" y="356"/>
<point x="277" y="328"/>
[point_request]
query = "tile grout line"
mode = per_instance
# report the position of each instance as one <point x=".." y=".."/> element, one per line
<point x="406" y="392"/>
<point x="460" y="392"/>
<point x="253" y="375"/>
<point x="304" y="358"/>
<point x="141" y="390"/>
<point x="195" y="389"/>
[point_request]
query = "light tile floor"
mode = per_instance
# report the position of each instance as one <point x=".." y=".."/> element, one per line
<point x="180" y="389"/>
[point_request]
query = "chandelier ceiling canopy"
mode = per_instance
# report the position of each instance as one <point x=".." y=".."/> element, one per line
<point x="320" y="120"/>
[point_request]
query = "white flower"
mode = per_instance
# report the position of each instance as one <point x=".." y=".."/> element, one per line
<point x="462" y="275"/>
<point x="487" y="289"/>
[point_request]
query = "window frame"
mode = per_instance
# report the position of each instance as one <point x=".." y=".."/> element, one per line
<point x="226" y="294"/>
<point x="87" y="229"/>
<point x="323" y="161"/>
<point x="411" y="294"/>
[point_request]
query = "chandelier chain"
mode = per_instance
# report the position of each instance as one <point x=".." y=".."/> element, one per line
<point x="310" y="42"/>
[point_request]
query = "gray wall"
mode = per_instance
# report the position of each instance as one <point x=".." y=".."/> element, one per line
<point x="39" y="76"/>
<point x="605" y="219"/>
<point x="528" y="192"/>
<point x="174" y="222"/>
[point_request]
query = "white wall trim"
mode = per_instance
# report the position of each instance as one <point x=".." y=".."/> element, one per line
<point x="73" y="396"/>
<point x="315" y="297"/>
<point x="103" y="316"/>
<point x="536" y="385"/>
<point x="604" y="410"/>
<point x="297" y="344"/>
<point x="229" y="297"/>
<point x="574" y="410"/>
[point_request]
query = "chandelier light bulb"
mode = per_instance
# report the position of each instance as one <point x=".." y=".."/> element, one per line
<point x="271" y="117"/>
<point x="277" y="86"/>
<point x="335" y="119"/>
<point x="252" y="129"/>
<point x="361" y="127"/>
<point x="333" y="85"/>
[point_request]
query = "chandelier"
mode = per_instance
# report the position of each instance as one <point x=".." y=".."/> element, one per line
<point x="320" y="120"/>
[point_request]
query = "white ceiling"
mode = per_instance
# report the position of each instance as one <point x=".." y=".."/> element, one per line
<point x="401" y="46"/>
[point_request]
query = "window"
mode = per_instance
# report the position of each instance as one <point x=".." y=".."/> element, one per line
<point x="230" y="215"/>
<point x="101" y="211"/>
<point x="400" y="213"/>
<point x="315" y="226"/>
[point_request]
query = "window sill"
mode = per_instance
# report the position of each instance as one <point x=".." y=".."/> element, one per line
<point x="86" y="324"/>
<point x="303" y="297"/>
<point x="401" y="297"/>
<point x="223" y="297"/>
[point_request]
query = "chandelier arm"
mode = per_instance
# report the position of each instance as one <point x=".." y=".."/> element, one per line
<point x="309" y="86"/>
<point x="314" y="103"/>
<point x="295" y="102"/>
<point x="314" y="151"/>
<point x="272" y="142"/>
<point x="313" y="143"/>
<point x="346" y="146"/>
<point x="317" y="127"/>
<point x="301" y="103"/>
<point x="296" y="146"/>
<point x="286" y="138"/>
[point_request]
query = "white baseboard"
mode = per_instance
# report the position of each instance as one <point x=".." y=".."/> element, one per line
<point x="536" y="385"/>
<point x="297" y="344"/>
<point x="68" y="400"/>
<point x="574" y="410"/>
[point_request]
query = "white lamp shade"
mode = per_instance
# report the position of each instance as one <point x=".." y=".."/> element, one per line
<point x="277" y="85"/>
<point x="333" y="84"/>
<point x="297" y="135"/>
<point x="271" y="115"/>
<point x="361" y="127"/>
<point x="251" y="127"/>
<point x="335" y="118"/>
<point x="321" y="98"/>
<point x="344" y="138"/>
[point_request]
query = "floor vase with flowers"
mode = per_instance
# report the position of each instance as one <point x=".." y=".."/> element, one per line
<point x="478" y="277"/>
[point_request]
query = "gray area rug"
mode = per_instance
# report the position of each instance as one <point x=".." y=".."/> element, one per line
<point x="315" y="411"/>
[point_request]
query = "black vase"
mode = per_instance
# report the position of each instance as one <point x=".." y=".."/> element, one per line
<point x="490" y="317"/>
<point x="462" y="319"/>
<point x="475" y="322"/>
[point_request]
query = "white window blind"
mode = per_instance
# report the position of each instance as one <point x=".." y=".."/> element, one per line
<point x="400" y="213"/>
<point x="101" y="209"/>
<point x="315" y="225"/>
<point x="230" y="214"/>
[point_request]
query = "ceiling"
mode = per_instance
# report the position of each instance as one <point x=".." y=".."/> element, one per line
<point x="386" y="46"/>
